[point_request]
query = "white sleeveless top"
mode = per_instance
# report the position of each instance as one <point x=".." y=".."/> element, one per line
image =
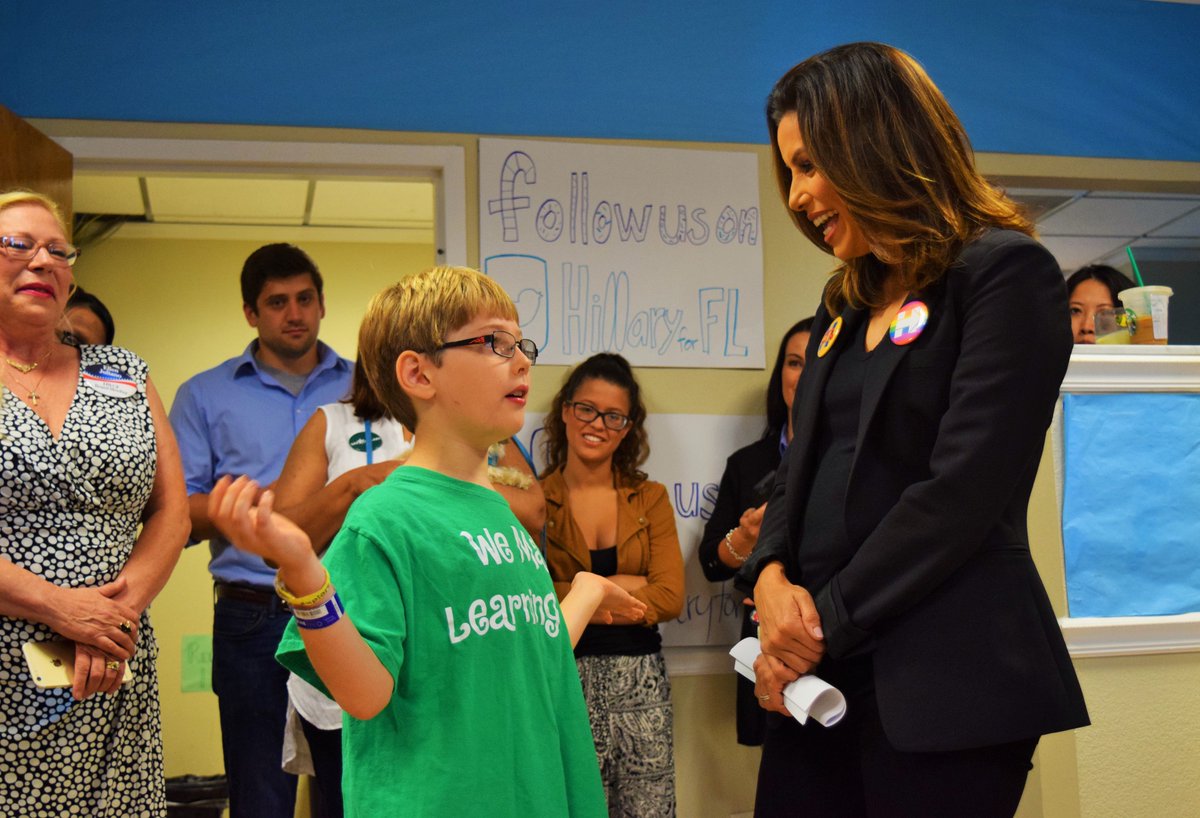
<point x="346" y="449"/>
<point x="345" y="440"/>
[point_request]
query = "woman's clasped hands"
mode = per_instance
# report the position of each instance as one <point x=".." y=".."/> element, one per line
<point x="790" y="634"/>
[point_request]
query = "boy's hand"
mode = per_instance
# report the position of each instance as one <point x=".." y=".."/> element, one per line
<point x="257" y="529"/>
<point x="613" y="603"/>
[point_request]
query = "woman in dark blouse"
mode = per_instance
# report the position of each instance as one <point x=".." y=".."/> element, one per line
<point x="732" y="531"/>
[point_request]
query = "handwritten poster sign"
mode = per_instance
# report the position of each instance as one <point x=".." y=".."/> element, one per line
<point x="654" y="253"/>
<point x="687" y="455"/>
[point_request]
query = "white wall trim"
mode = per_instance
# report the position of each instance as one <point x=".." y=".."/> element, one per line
<point x="1129" y="369"/>
<point x="445" y="164"/>
<point x="1131" y="635"/>
<point x="1133" y="368"/>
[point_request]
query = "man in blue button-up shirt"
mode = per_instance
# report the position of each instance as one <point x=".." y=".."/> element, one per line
<point x="240" y="418"/>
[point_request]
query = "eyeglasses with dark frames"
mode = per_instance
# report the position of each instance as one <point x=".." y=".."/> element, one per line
<point x="24" y="248"/>
<point x="504" y="344"/>
<point x="586" y="413"/>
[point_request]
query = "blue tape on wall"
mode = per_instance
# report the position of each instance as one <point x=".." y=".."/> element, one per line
<point x="1131" y="504"/>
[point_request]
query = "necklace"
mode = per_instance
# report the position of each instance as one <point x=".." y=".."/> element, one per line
<point x="33" y="395"/>
<point x="25" y="369"/>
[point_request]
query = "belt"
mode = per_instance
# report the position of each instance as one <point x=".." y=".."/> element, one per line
<point x="248" y="593"/>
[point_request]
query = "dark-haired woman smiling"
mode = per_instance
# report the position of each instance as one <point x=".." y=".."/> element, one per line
<point x="604" y="516"/>
<point x="893" y="559"/>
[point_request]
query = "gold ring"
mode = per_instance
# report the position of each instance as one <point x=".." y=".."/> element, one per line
<point x="126" y="626"/>
<point x="112" y="664"/>
<point x="764" y="697"/>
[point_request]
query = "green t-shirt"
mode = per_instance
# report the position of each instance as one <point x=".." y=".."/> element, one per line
<point x="487" y="716"/>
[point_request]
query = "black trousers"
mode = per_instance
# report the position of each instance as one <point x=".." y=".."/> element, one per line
<point x="850" y="770"/>
<point x="325" y="746"/>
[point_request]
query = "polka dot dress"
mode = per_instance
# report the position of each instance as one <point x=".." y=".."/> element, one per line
<point x="69" y="513"/>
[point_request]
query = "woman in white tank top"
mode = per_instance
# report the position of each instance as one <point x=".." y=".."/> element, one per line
<point x="344" y="449"/>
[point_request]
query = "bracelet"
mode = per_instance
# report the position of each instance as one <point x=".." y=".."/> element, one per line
<point x="306" y="601"/>
<point x="320" y="617"/>
<point x="733" y="552"/>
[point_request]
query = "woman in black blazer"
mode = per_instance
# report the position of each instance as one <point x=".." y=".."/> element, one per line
<point x="893" y="559"/>
<point x="732" y="529"/>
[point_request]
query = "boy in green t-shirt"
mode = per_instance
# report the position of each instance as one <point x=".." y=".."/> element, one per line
<point x="443" y="641"/>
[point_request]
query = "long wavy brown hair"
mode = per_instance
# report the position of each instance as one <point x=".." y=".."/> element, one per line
<point x="880" y="131"/>
<point x="632" y="452"/>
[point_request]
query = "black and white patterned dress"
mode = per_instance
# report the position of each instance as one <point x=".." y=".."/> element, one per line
<point x="69" y="512"/>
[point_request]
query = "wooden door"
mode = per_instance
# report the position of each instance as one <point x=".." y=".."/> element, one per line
<point x="34" y="161"/>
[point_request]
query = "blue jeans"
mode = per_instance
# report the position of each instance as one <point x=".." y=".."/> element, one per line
<point x="251" y="690"/>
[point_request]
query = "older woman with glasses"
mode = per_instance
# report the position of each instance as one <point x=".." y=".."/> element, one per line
<point x="604" y="516"/>
<point x="93" y="516"/>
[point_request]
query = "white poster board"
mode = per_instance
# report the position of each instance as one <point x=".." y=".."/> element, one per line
<point x="655" y="253"/>
<point x="687" y="455"/>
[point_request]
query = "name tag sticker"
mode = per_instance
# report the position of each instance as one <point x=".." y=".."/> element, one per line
<point x="110" y="381"/>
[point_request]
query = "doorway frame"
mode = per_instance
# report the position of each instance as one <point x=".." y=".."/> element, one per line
<point x="444" y="165"/>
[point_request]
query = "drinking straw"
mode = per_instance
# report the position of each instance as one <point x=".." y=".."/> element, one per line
<point x="1133" y="261"/>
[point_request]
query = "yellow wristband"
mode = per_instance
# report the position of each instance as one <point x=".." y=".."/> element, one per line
<point x="306" y="601"/>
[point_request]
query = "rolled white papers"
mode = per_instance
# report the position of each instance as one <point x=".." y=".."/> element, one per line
<point x="805" y="697"/>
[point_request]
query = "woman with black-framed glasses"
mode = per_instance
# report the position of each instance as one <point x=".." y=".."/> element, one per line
<point x="603" y="515"/>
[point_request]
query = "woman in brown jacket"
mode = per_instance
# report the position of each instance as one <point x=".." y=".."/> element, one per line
<point x="604" y="516"/>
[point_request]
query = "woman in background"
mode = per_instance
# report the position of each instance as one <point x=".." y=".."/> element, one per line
<point x="1089" y="290"/>
<point x="732" y="530"/>
<point x="603" y="515"/>
<point x="894" y="558"/>
<point x="343" y="450"/>
<point x="88" y="321"/>
<point x="93" y="516"/>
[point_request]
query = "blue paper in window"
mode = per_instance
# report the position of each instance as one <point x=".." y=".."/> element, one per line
<point x="1131" y="504"/>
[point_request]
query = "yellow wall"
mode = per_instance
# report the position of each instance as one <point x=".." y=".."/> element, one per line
<point x="178" y="305"/>
<point x="1141" y="756"/>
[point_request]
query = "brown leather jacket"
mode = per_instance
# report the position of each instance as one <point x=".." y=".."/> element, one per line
<point x="647" y="544"/>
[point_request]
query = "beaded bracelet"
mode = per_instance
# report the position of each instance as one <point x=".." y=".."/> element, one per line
<point x="320" y="617"/>
<point x="306" y="601"/>
<point x="733" y="552"/>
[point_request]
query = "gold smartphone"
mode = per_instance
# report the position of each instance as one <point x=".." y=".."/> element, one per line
<point x="52" y="664"/>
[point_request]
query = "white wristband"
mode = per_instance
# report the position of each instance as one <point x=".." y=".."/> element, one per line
<point x="321" y="616"/>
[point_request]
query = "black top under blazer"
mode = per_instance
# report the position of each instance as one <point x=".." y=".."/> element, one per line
<point x="942" y="588"/>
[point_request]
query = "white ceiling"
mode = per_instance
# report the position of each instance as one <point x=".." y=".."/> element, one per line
<point x="216" y="207"/>
<point x="1094" y="227"/>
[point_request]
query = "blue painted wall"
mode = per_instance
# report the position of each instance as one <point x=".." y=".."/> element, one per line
<point x="1099" y="78"/>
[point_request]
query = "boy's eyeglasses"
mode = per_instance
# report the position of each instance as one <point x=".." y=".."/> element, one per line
<point x="24" y="248"/>
<point x="504" y="344"/>
<point x="586" y="413"/>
